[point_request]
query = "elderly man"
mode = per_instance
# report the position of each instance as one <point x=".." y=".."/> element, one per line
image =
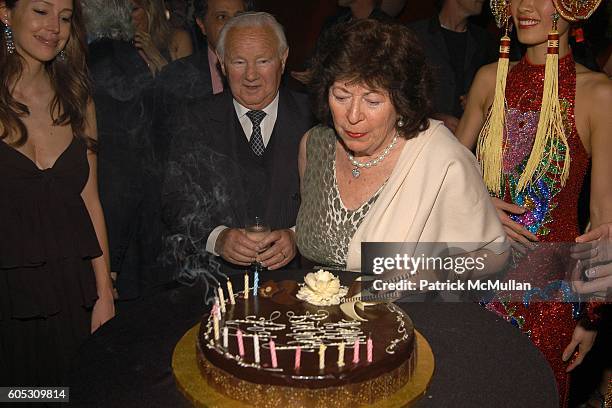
<point x="456" y="49"/>
<point x="234" y="158"/>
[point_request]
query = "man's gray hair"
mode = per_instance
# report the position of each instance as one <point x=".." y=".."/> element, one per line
<point x="253" y="19"/>
<point x="108" y="19"/>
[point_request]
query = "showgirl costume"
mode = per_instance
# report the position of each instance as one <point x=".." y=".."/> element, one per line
<point x="552" y="212"/>
<point x="532" y="156"/>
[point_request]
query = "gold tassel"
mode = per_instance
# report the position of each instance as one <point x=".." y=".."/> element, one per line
<point x="491" y="138"/>
<point x="545" y="151"/>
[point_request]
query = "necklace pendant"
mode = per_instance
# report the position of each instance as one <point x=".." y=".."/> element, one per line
<point x="356" y="172"/>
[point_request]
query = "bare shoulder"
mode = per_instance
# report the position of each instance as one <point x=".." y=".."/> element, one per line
<point x="180" y="44"/>
<point x="487" y="73"/>
<point x="484" y="82"/>
<point x="596" y="85"/>
<point x="180" y="36"/>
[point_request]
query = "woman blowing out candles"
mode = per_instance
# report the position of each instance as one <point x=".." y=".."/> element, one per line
<point x="537" y="124"/>
<point x="378" y="169"/>
<point x="55" y="287"/>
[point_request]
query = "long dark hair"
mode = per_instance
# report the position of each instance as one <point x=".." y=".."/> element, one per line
<point x="69" y="79"/>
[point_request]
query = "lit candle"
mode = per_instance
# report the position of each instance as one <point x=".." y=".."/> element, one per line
<point x="341" y="355"/>
<point x="221" y="299"/>
<point x="246" y="285"/>
<point x="322" y="348"/>
<point x="256" y="348"/>
<point x="369" y="347"/>
<point x="240" y="343"/>
<point x="225" y="337"/>
<point x="215" y="322"/>
<point x="273" y="354"/>
<point x="255" y="283"/>
<point x="230" y="293"/>
<point x="298" y="357"/>
<point x="356" y="351"/>
<point x="216" y="309"/>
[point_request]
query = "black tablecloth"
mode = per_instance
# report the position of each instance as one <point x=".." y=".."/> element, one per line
<point x="481" y="361"/>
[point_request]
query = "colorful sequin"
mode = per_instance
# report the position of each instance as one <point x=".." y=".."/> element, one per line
<point x="546" y="313"/>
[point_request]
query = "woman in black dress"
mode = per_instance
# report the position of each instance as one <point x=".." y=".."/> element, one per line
<point x="55" y="287"/>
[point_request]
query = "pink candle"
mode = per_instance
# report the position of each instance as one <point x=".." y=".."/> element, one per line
<point x="369" y="347"/>
<point x="298" y="357"/>
<point x="356" y="352"/>
<point x="240" y="343"/>
<point x="273" y="354"/>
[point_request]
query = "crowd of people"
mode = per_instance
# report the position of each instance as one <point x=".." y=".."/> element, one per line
<point x="136" y="149"/>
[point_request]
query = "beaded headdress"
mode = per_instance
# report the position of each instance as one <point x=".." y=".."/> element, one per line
<point x="550" y="141"/>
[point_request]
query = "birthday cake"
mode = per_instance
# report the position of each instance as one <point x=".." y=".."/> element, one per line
<point x="286" y="344"/>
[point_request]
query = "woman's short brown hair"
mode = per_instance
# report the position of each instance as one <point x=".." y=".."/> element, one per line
<point x="380" y="55"/>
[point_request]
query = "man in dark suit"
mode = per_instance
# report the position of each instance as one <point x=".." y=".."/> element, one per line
<point x="456" y="49"/>
<point x="234" y="158"/>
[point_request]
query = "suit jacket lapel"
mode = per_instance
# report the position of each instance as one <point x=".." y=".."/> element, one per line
<point x="285" y="117"/>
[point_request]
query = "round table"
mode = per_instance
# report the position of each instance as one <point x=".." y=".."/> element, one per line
<point x="480" y="359"/>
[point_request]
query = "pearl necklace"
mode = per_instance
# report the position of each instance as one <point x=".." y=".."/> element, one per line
<point x="358" y="165"/>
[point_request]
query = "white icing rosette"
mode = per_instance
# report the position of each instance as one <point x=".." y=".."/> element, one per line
<point x="322" y="288"/>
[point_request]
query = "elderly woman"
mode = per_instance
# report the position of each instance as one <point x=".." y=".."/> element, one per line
<point x="379" y="169"/>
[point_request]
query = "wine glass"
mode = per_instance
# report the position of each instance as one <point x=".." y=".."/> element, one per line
<point x="256" y="231"/>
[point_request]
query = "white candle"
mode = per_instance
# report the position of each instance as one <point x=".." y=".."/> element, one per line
<point x="230" y="293"/>
<point x="246" y="285"/>
<point x="221" y="299"/>
<point x="322" y="348"/>
<point x="341" y="355"/>
<point x="216" y="308"/>
<point x="225" y="337"/>
<point x="256" y="348"/>
<point x="215" y="325"/>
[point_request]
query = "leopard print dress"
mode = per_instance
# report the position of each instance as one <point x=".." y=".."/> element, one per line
<point x="325" y="226"/>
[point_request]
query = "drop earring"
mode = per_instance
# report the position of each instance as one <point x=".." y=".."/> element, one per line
<point x="400" y="122"/>
<point x="62" y="55"/>
<point x="8" y="37"/>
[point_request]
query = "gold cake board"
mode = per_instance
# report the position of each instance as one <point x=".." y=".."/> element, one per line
<point x="194" y="387"/>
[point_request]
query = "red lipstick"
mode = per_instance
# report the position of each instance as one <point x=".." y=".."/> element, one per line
<point x="355" y="135"/>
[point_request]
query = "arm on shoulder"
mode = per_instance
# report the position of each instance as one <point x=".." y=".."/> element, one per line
<point x="478" y="101"/>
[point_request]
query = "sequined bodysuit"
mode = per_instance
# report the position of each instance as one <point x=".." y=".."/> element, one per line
<point x="552" y="213"/>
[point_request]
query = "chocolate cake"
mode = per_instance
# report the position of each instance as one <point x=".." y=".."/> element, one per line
<point x="277" y="314"/>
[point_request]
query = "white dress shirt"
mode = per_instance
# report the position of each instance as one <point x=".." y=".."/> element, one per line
<point x="267" y="126"/>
